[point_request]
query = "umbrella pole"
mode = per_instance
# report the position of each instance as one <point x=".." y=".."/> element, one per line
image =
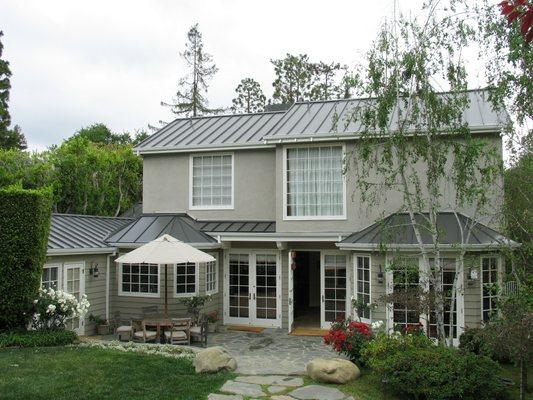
<point x="166" y="293"/>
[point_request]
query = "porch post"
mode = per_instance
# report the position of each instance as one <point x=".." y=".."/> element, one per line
<point x="166" y="291"/>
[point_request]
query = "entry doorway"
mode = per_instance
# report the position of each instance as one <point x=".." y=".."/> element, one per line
<point x="306" y="289"/>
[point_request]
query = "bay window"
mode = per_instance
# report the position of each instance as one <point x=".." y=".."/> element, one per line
<point x="211" y="182"/>
<point x="186" y="279"/>
<point x="211" y="277"/>
<point x="314" y="187"/>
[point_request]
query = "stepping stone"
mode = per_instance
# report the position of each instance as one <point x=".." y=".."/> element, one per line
<point x="242" y="388"/>
<point x="213" y="396"/>
<point x="276" y="389"/>
<point x="317" y="392"/>
<point x="282" y="397"/>
<point x="278" y="380"/>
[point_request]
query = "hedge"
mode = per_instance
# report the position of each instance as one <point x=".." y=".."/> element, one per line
<point x="24" y="227"/>
<point x="37" y="338"/>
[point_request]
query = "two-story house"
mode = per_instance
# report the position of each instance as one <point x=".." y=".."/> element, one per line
<point x="266" y="194"/>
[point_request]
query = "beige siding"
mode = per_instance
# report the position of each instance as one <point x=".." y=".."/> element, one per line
<point x="94" y="287"/>
<point x="131" y="307"/>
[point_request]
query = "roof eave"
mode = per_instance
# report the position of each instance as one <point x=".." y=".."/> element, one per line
<point x="411" y="247"/>
<point x="81" y="250"/>
<point x="197" y="245"/>
<point x="159" y="150"/>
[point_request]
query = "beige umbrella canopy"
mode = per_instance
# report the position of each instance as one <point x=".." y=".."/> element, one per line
<point x="165" y="250"/>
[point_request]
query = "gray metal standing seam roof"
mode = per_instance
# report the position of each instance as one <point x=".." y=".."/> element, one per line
<point x="71" y="231"/>
<point x="305" y="120"/>
<point x="151" y="226"/>
<point x="212" y="132"/>
<point x="334" y="117"/>
<point x="237" y="226"/>
<point x="396" y="229"/>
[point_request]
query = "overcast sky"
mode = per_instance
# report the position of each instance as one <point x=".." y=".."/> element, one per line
<point x="76" y="63"/>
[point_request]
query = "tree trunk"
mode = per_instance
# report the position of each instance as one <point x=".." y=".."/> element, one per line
<point x="523" y="378"/>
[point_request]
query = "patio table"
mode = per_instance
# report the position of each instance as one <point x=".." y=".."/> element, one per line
<point x="161" y="323"/>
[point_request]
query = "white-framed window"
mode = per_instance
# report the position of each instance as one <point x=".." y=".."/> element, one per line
<point x="211" y="277"/>
<point x="489" y="283"/>
<point x="50" y="277"/>
<point x="405" y="277"/>
<point x="139" y="280"/>
<point x="362" y="286"/>
<point x="314" y="185"/>
<point x="211" y="181"/>
<point x="185" y="279"/>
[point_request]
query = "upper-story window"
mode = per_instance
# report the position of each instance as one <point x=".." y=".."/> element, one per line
<point x="314" y="183"/>
<point x="211" y="182"/>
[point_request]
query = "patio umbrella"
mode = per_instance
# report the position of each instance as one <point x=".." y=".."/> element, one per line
<point x="165" y="250"/>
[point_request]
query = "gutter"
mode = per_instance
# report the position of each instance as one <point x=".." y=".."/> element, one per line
<point x="197" y="245"/>
<point x="277" y="237"/>
<point x="411" y="247"/>
<point x="200" y="149"/>
<point x="83" y="250"/>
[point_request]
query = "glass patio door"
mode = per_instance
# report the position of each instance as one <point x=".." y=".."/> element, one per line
<point x="254" y="289"/>
<point x="333" y="285"/>
<point x="74" y="283"/>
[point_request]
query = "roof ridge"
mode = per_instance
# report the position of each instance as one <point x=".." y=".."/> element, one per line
<point x="89" y="216"/>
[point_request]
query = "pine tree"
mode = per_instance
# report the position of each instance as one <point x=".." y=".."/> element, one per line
<point x="250" y="97"/>
<point x="190" y="99"/>
<point x="293" y="79"/>
<point x="325" y="81"/>
<point x="9" y="138"/>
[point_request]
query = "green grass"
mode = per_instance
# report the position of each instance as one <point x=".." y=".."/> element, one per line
<point x="88" y="373"/>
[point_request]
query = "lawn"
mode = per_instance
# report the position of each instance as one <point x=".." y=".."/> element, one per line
<point x="88" y="373"/>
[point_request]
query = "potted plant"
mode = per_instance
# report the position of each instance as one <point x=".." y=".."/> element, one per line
<point x="102" y="326"/>
<point x="212" y="319"/>
<point x="194" y="305"/>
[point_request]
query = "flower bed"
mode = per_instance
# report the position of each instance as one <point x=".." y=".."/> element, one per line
<point x="165" y="350"/>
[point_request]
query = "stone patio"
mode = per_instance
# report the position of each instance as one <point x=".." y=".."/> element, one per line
<point x="271" y="352"/>
<point x="276" y="387"/>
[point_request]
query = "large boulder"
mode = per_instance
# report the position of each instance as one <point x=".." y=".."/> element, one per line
<point x="332" y="370"/>
<point x="214" y="359"/>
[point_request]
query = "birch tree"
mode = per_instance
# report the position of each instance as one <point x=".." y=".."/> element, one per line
<point x="415" y="142"/>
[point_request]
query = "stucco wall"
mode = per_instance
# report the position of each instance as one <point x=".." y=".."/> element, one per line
<point x="166" y="185"/>
<point x="361" y="214"/>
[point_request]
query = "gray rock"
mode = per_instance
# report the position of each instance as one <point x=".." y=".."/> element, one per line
<point x="317" y="392"/>
<point x="213" y="396"/>
<point x="282" y="397"/>
<point x="243" y="388"/>
<point x="278" y="380"/>
<point x="332" y="370"/>
<point x="214" y="359"/>
<point x="276" y="389"/>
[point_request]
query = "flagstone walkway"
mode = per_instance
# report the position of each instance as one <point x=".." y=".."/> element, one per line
<point x="271" y="352"/>
<point x="275" y="387"/>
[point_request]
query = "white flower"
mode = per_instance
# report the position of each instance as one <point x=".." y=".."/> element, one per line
<point x="377" y="325"/>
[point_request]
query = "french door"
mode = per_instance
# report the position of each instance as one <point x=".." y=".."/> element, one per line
<point x="333" y="268"/>
<point x="74" y="283"/>
<point x="253" y="288"/>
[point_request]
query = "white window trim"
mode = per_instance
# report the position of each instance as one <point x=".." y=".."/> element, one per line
<point x="59" y="267"/>
<point x="217" y="266"/>
<point x="221" y="207"/>
<point x="356" y="281"/>
<point x="196" y="281"/>
<point x="315" y="217"/>
<point x="129" y="294"/>
<point x="481" y="283"/>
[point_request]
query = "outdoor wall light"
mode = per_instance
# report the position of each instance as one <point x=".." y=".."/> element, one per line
<point x="473" y="276"/>
<point x="380" y="275"/>
<point x="94" y="270"/>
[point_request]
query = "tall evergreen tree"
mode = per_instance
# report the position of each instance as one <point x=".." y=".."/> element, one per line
<point x="293" y="79"/>
<point x="190" y="99"/>
<point x="250" y="97"/>
<point x="9" y="138"/>
<point x="325" y="81"/>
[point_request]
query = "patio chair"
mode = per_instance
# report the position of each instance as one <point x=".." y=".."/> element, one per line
<point x="140" y="333"/>
<point x="121" y="327"/>
<point x="180" y="331"/>
<point x="199" y="332"/>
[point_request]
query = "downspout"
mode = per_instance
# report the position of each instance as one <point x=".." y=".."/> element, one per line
<point x="107" y="276"/>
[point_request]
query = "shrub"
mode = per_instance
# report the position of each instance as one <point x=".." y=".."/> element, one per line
<point x="53" y="308"/>
<point x="375" y="352"/>
<point x="24" y="227"/>
<point x="472" y="340"/>
<point x="442" y="373"/>
<point x="37" y="338"/>
<point x="348" y="337"/>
